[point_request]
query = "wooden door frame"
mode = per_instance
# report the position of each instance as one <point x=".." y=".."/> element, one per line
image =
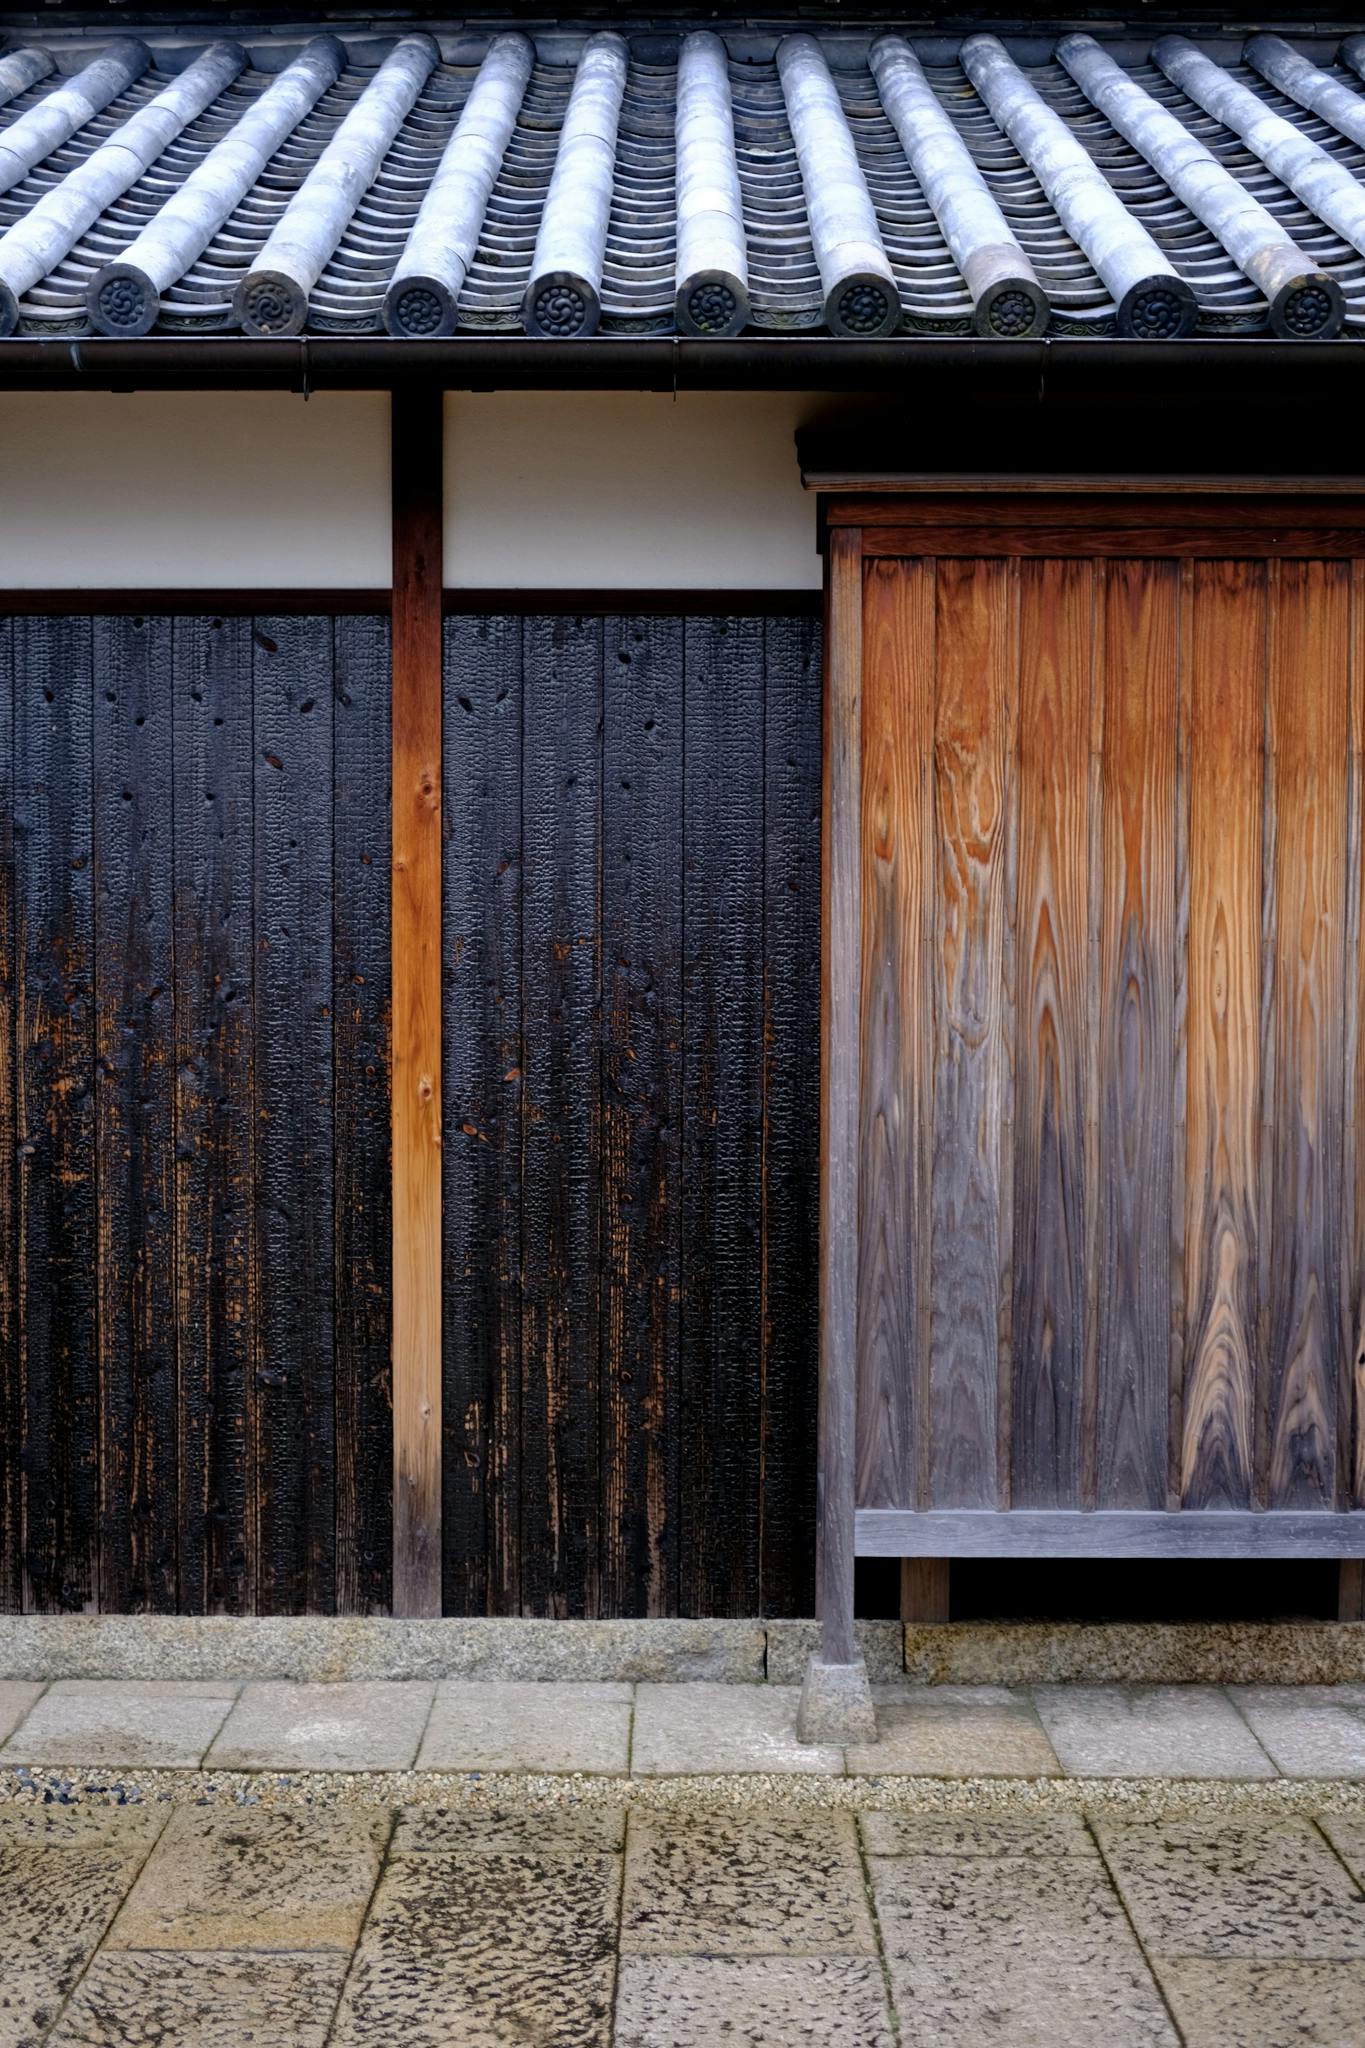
<point x="935" y="517"/>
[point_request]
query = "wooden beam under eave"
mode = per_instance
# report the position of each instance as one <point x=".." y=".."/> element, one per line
<point x="417" y="482"/>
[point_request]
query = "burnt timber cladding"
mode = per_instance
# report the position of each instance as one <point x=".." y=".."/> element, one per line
<point x="194" y="1113"/>
<point x="1113" y="1086"/>
<point x="631" y="1061"/>
<point x="195" y="1106"/>
<point x="678" y="181"/>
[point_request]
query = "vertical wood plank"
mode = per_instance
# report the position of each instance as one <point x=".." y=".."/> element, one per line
<point x="55" y="1068"/>
<point x="974" y="776"/>
<point x="642" y="873"/>
<point x="1226" y="681"/>
<point x="417" y="483"/>
<point x="897" y="1026"/>
<point x="791" y="1109"/>
<point x="1353" y="1205"/>
<point x="1351" y="1589"/>
<point x="1051" y="1197"/>
<point x="361" y="1115"/>
<point x="722" y="1324"/>
<point x="561" y="927"/>
<point x="926" y="1590"/>
<point x="483" y="1066"/>
<point x="215" y="1123"/>
<point x="294" y="1375"/>
<point x="840" y="1063"/>
<point x="1307" y="1373"/>
<point x="134" y="1112"/>
<point x="1137" y="1031"/>
<point x="11" y="1385"/>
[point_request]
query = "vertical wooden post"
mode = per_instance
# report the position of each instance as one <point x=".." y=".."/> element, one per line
<point x="841" y="935"/>
<point x="417" y="482"/>
<point x="925" y="1583"/>
<point x="1351" y="1589"/>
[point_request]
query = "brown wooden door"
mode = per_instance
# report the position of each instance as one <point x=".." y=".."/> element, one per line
<point x="1109" y="1165"/>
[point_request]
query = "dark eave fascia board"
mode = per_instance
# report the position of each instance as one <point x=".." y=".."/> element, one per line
<point x="1319" y="371"/>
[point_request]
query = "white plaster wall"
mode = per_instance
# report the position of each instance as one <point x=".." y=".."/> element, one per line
<point x="176" y="490"/>
<point x="628" y="490"/>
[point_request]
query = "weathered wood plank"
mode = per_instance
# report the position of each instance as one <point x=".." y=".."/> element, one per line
<point x="1108" y="1534"/>
<point x="641" y="1161"/>
<point x="791" y="1109"/>
<point x="11" y="1384"/>
<point x="214" y="914"/>
<point x="132" y="843"/>
<point x="1308" y="1393"/>
<point x="1226" y="683"/>
<point x="1053" y="1047"/>
<point x="972" y="1174"/>
<point x="840" y="1064"/>
<point x="561" y="1275"/>
<point x="293" y="1411"/>
<point x="926" y="1589"/>
<point x="1136" y="1047"/>
<point x="361" y="1136"/>
<point x="417" y="491"/>
<point x="1353" y="1186"/>
<point x="483" y="1066"/>
<point x="722" y="1320"/>
<point x="56" y="1120"/>
<point x="898" y="896"/>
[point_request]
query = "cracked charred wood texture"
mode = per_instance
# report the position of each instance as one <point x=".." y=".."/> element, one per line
<point x="631" y="961"/>
<point x="484" y="1067"/>
<point x="1111" y="983"/>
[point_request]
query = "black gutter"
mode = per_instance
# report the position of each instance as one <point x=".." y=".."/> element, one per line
<point x="1228" y="371"/>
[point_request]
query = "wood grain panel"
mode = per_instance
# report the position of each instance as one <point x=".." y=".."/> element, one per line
<point x="722" y="1321"/>
<point x="483" y="1069"/>
<point x="561" y="1272"/>
<point x="1307" y="1372"/>
<point x="361" y="1183"/>
<point x="1225" y="680"/>
<point x="972" y="1176"/>
<point x="215" y="1122"/>
<point x="642" y="1033"/>
<point x="417" y="492"/>
<point x="1136" y="1045"/>
<point x="898" y="893"/>
<point x="132" y="840"/>
<point x="11" y="1386"/>
<point x="1053" y="1049"/>
<point x="791" y="1108"/>
<point x="293" y="1408"/>
<point x="58" y="1361"/>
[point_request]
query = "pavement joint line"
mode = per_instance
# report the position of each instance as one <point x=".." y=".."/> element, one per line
<point x="883" y="1960"/>
<point x="351" y="1961"/>
<point x="1230" y="1695"/>
<point x="1117" y="1890"/>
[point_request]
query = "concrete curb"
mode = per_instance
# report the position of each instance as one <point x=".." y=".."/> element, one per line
<point x="766" y="1792"/>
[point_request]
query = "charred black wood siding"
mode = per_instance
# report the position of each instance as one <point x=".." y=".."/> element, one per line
<point x="631" y="1109"/>
<point x="194" y="1237"/>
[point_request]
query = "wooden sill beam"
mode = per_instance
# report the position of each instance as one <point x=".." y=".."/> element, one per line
<point x="416" y="1034"/>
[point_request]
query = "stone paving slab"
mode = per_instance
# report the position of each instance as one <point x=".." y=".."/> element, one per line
<point x="524" y="1726"/>
<point x="375" y="1725"/>
<point x="277" y="1880"/>
<point x="55" y="1906"/>
<point x="690" y="1728"/>
<point x="485" y="1952"/>
<point x="1174" y="1731"/>
<point x="1255" y="1892"/>
<point x="598" y="1832"/>
<point x="17" y="1697"/>
<point x="1242" y="2003"/>
<point x="202" y="2001"/>
<point x="121" y="1722"/>
<point x="1028" y="1951"/>
<point x="761" y="2002"/>
<point x="1308" y="1731"/>
<point x="1347" y="1837"/>
<point x="923" y="1834"/>
<point x="724" y="1884"/>
<point x="956" y="1731"/>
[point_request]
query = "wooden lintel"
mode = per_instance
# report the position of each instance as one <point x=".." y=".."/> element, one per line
<point x="1134" y="1533"/>
<point x="416" y="1037"/>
